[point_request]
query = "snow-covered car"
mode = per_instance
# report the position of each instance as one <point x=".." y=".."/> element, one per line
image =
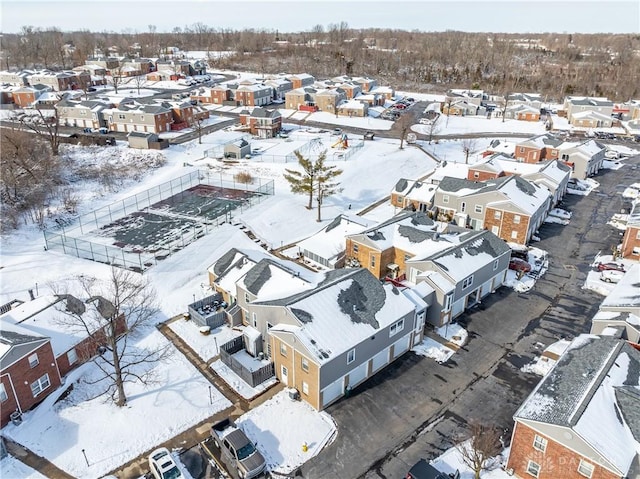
<point x="611" y="276"/>
<point x="425" y="121"/>
<point x="611" y="155"/>
<point x="423" y="470"/>
<point x="163" y="466"/>
<point x="560" y="213"/>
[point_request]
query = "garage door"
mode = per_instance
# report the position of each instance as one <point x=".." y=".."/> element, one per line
<point x="486" y="288"/>
<point x="380" y="360"/>
<point x="332" y="392"/>
<point x="401" y="346"/>
<point x="457" y="308"/>
<point x="358" y="374"/>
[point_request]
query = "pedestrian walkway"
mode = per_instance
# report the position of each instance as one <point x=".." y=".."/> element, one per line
<point x="439" y="339"/>
<point x="34" y="461"/>
<point x="198" y="433"/>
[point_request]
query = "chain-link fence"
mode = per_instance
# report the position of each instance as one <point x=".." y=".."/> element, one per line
<point x="138" y="231"/>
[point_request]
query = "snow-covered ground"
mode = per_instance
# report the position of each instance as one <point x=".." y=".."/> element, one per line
<point x="12" y="468"/>
<point x="594" y="281"/>
<point x="451" y="461"/>
<point x="281" y="426"/>
<point x="542" y="364"/>
<point x="177" y="398"/>
<point x="452" y="333"/>
<point x="207" y="347"/>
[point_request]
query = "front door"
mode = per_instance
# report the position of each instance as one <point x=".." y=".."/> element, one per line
<point x="284" y="375"/>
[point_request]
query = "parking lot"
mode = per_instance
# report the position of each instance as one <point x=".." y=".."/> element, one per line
<point x="417" y="408"/>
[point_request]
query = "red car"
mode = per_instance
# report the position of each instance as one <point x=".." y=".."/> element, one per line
<point x="518" y="264"/>
<point x="610" y="266"/>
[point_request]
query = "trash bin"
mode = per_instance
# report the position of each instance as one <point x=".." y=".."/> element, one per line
<point x="16" y="418"/>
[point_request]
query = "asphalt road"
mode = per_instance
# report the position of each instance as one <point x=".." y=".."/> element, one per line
<point x="417" y="408"/>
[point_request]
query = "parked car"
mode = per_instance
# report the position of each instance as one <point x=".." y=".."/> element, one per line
<point x="518" y="264"/>
<point x="611" y="276"/>
<point x="611" y="155"/>
<point x="423" y="470"/>
<point x="163" y="466"/>
<point x="522" y="254"/>
<point x="610" y="266"/>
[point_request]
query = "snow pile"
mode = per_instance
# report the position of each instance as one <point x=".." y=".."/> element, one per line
<point x="432" y="349"/>
<point x="619" y="221"/>
<point x="177" y="398"/>
<point x="453" y="333"/>
<point x="281" y="426"/>
<point x="451" y="461"/>
<point x="582" y="187"/>
<point x="537" y="258"/>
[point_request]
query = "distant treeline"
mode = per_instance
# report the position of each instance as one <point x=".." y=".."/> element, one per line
<point x="552" y="64"/>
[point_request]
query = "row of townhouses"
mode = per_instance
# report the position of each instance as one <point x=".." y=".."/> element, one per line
<point x="583" y="418"/>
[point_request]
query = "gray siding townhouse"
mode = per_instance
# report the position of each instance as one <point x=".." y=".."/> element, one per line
<point x="585" y="159"/>
<point x="470" y="268"/>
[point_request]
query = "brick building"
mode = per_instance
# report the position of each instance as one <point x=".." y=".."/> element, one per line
<point x="583" y="418"/>
<point x="539" y="148"/>
<point x="631" y="239"/>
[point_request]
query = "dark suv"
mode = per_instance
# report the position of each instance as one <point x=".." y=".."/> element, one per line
<point x="423" y="470"/>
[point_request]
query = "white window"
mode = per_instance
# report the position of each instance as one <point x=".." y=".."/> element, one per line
<point x="255" y="320"/>
<point x="495" y="265"/>
<point x="522" y="149"/>
<point x="445" y="198"/>
<point x="495" y="230"/>
<point x="539" y="443"/>
<point x="396" y="327"/>
<point x="533" y="469"/>
<point x="121" y="117"/>
<point x="40" y="385"/>
<point x="516" y="219"/>
<point x="246" y="297"/>
<point x="72" y="356"/>
<point x="33" y="360"/>
<point x="355" y="249"/>
<point x="585" y="468"/>
<point x="478" y="209"/>
<point x="638" y="234"/>
<point x="351" y="356"/>
<point x="496" y="215"/>
<point x="463" y="206"/>
<point x="283" y="349"/>
<point x="448" y="300"/>
<point x="476" y="174"/>
<point x="3" y="393"/>
<point x="514" y="234"/>
<point x="467" y="282"/>
<point x="534" y="155"/>
<point x="305" y="388"/>
<point x="373" y="261"/>
<point x="305" y="364"/>
<point x="141" y="117"/>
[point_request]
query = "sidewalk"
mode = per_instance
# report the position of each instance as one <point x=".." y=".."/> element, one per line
<point x="198" y="433"/>
<point x="34" y="461"/>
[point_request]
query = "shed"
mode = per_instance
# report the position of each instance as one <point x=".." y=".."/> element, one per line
<point x="237" y="149"/>
<point x="146" y="141"/>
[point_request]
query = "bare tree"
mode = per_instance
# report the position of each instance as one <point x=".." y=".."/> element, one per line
<point x="116" y="78"/>
<point x="139" y="81"/>
<point x="198" y="126"/>
<point x="434" y="127"/>
<point x="403" y="125"/>
<point x="480" y="447"/>
<point x="47" y="127"/>
<point x="123" y="308"/>
<point x="469" y="146"/>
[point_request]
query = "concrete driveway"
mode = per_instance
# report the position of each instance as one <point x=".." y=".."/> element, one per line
<point x="417" y="408"/>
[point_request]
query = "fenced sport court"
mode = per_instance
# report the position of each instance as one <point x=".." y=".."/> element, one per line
<point x="141" y="230"/>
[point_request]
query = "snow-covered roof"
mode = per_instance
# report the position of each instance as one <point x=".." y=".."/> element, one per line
<point x="451" y="169"/>
<point x="343" y="311"/>
<point x="594" y="390"/>
<point x="590" y="114"/>
<point x="352" y="105"/>
<point x="43" y="316"/>
<point x="271" y="279"/>
<point x="588" y="148"/>
<point x="589" y="101"/>
<point x="526" y="195"/>
<point x="414" y="233"/>
<point x="475" y="251"/>
<point x="415" y="190"/>
<point x="329" y="242"/>
<point x="625" y="293"/>
<point x="440" y="282"/>
<point x="546" y="140"/>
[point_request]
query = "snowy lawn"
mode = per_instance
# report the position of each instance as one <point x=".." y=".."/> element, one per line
<point x="178" y="398"/>
<point x="207" y="347"/>
<point x="12" y="468"/>
<point x="281" y="426"/>
<point x="451" y="125"/>
<point x="451" y="461"/>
